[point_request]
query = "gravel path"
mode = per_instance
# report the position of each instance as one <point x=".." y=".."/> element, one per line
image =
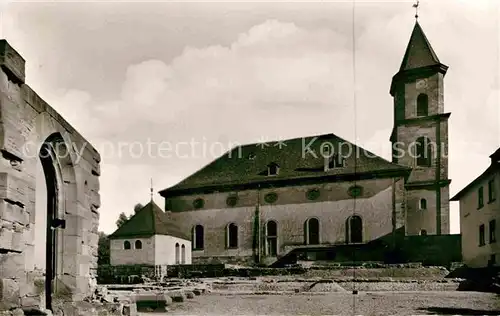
<point x="366" y="304"/>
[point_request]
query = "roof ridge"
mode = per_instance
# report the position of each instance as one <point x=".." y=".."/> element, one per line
<point x="139" y="226"/>
<point x="271" y="141"/>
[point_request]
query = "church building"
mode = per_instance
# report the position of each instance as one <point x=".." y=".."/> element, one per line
<point x="258" y="203"/>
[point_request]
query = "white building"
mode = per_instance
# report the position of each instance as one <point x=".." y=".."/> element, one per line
<point x="479" y="213"/>
<point x="150" y="237"/>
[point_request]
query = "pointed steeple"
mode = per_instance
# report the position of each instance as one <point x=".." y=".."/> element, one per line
<point x="419" y="52"/>
<point x="419" y="60"/>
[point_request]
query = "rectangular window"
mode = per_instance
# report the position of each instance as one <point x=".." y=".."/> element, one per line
<point x="481" y="235"/>
<point x="480" y="202"/>
<point x="491" y="191"/>
<point x="493" y="228"/>
<point x="272" y="246"/>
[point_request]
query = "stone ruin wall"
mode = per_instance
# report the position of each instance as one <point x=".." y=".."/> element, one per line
<point x="25" y="120"/>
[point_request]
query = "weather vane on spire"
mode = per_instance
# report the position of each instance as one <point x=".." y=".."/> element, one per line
<point x="151" y="189"/>
<point x="415" y="5"/>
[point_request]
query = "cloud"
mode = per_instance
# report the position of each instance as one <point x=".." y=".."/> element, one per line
<point x="274" y="71"/>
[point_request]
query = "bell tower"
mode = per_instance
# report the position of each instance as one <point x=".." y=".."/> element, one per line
<point x="420" y="136"/>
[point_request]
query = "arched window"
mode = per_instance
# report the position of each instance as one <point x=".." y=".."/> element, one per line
<point x="354" y="229"/>
<point x="423" y="152"/>
<point x="423" y="232"/>
<point x="422" y="105"/>
<point x="177" y="250"/>
<point x="311" y="230"/>
<point x="422" y="205"/>
<point x="273" y="169"/>
<point x="271" y="238"/>
<point x="183" y="254"/>
<point x="232" y="236"/>
<point x="198" y="237"/>
<point x="138" y="244"/>
<point x="126" y="244"/>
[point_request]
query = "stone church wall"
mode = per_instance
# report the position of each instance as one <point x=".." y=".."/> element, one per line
<point x="26" y="121"/>
<point x="291" y="209"/>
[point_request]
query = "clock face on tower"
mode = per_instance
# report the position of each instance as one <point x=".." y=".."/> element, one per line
<point x="421" y="83"/>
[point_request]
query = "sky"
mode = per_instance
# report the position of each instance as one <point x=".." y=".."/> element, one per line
<point x="127" y="74"/>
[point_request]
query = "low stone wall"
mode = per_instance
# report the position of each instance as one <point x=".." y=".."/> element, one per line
<point x="137" y="274"/>
<point x="246" y="261"/>
<point x="414" y="285"/>
<point x="197" y="270"/>
<point x="291" y="285"/>
<point x="388" y="271"/>
<point x="124" y="274"/>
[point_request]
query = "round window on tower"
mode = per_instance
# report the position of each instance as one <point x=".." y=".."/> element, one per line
<point x="198" y="203"/>
<point x="355" y="191"/>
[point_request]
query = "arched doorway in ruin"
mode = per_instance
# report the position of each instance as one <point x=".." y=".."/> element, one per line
<point x="54" y="158"/>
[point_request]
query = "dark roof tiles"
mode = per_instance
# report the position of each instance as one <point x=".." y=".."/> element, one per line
<point x="149" y="221"/>
<point x="249" y="163"/>
<point x="419" y="52"/>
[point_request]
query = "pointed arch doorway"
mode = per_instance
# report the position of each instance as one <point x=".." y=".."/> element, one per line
<point x="50" y="153"/>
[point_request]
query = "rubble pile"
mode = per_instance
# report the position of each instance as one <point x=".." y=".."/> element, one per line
<point x="485" y="283"/>
<point x="150" y="296"/>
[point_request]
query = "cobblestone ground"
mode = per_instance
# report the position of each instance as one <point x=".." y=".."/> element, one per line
<point x="366" y="304"/>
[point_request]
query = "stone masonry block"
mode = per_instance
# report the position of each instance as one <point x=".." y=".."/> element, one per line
<point x="12" y="265"/>
<point x="13" y="188"/>
<point x="13" y="213"/>
<point x="11" y="62"/>
<point x="72" y="245"/>
<point x="9" y="88"/>
<point x="76" y="265"/>
<point x="92" y="239"/>
<point x="32" y="302"/>
<point x="76" y="225"/>
<point x="9" y="293"/>
<point x="29" y="253"/>
<point x="6" y="237"/>
<point x="95" y="199"/>
<point x="29" y="234"/>
<point x="18" y="241"/>
<point x="12" y="140"/>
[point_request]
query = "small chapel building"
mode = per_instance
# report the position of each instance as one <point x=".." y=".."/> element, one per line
<point x="149" y="237"/>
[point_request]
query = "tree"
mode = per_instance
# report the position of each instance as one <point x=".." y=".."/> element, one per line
<point x="103" y="254"/>
<point x="122" y="219"/>
<point x="138" y="207"/>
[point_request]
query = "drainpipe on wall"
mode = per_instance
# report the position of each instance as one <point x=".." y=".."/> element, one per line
<point x="256" y="225"/>
<point x="438" y="178"/>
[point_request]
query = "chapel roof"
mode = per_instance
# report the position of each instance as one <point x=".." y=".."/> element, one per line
<point x="149" y="221"/>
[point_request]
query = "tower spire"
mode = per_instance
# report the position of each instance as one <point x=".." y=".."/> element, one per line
<point x="151" y="189"/>
<point x="415" y="5"/>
